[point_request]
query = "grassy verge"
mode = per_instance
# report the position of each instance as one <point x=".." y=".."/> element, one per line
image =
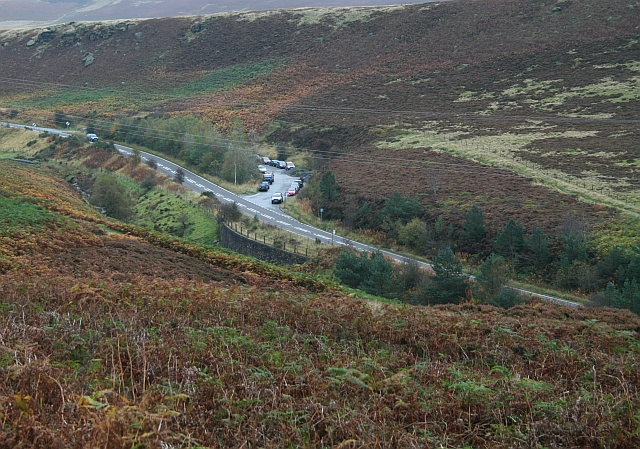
<point x="294" y="209"/>
<point x="549" y="292"/>
<point x="20" y="143"/>
<point x="274" y="236"/>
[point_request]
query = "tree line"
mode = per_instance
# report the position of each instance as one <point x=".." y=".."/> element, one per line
<point x="566" y="260"/>
<point x="199" y="144"/>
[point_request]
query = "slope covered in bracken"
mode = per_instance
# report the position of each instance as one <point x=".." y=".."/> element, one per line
<point x="114" y="336"/>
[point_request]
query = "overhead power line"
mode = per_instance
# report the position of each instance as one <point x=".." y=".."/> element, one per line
<point x="326" y="155"/>
<point x="340" y="110"/>
<point x="352" y="158"/>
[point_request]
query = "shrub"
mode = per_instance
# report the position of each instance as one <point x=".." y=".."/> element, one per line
<point x="449" y="283"/>
<point x="493" y="275"/>
<point x="473" y="227"/>
<point x="414" y="234"/>
<point x="369" y="272"/>
<point x="110" y="195"/>
<point x="508" y="298"/>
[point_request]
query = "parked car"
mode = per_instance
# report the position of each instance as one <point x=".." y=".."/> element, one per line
<point x="263" y="187"/>
<point x="282" y="164"/>
<point x="277" y="198"/>
<point x="262" y="169"/>
<point x="298" y="182"/>
<point x="292" y="191"/>
<point x="289" y="165"/>
<point x="265" y="160"/>
<point x="269" y="177"/>
<point x="274" y="162"/>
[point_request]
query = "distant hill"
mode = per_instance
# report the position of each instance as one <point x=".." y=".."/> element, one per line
<point x="18" y="13"/>
<point x="520" y="83"/>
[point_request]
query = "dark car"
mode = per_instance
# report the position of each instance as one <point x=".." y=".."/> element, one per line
<point x="268" y="177"/>
<point x="282" y="164"/>
<point x="263" y="187"/>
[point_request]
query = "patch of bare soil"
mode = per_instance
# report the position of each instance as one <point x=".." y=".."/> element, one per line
<point x="122" y="260"/>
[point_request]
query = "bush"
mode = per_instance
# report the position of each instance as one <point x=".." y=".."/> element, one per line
<point x="152" y="163"/>
<point x="179" y="176"/>
<point x="230" y="212"/>
<point x="369" y="272"/>
<point x="149" y="182"/>
<point x="508" y="298"/>
<point x="110" y="195"/>
<point x="414" y="234"/>
<point x="449" y="283"/>
<point x="473" y="227"/>
<point x="493" y="275"/>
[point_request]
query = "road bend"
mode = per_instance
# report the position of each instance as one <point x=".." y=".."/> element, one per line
<point x="260" y="205"/>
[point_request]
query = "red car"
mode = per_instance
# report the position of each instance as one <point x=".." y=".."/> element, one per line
<point x="291" y="191"/>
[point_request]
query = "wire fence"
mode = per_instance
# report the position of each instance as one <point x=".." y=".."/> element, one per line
<point x="290" y="245"/>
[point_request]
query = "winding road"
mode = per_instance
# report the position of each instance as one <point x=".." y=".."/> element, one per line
<point x="260" y="205"/>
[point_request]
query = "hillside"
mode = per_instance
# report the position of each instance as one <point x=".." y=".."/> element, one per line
<point x="525" y="85"/>
<point x="115" y="336"/>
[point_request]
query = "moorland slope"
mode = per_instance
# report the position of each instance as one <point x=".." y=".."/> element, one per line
<point x="548" y="90"/>
<point x="100" y="347"/>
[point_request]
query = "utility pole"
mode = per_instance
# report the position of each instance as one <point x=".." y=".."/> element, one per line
<point x="235" y="164"/>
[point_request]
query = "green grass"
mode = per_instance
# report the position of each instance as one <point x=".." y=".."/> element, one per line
<point x="548" y="291"/>
<point x="16" y="216"/>
<point x="164" y="211"/>
<point x="138" y="97"/>
<point x="226" y="78"/>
